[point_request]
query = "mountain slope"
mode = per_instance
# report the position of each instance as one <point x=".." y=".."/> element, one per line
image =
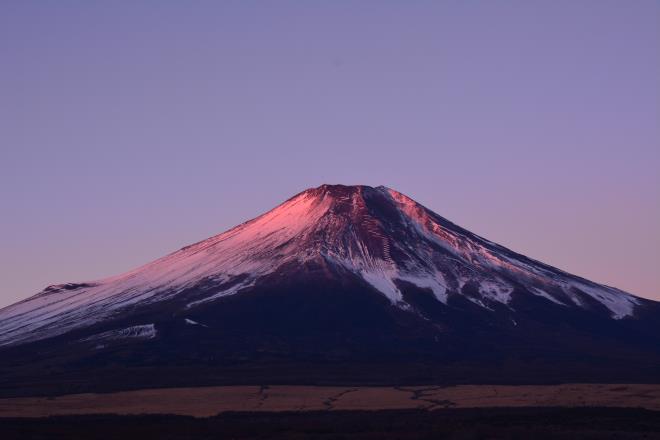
<point x="349" y="273"/>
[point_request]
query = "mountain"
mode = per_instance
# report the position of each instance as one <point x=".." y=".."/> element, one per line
<point x="336" y="284"/>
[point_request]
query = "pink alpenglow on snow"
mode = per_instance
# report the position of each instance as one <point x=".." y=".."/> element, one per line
<point x="376" y="234"/>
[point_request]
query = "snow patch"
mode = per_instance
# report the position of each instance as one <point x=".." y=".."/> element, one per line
<point x="384" y="284"/>
<point x="544" y="294"/>
<point x="146" y="331"/>
<point x="496" y="290"/>
<point x="435" y="282"/>
<point x="618" y="302"/>
<point x="226" y="292"/>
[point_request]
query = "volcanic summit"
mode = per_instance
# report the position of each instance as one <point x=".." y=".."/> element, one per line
<point x="334" y="283"/>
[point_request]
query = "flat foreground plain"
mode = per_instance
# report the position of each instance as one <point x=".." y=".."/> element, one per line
<point x="209" y="401"/>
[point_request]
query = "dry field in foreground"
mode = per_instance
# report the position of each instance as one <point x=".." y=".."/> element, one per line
<point x="208" y="401"/>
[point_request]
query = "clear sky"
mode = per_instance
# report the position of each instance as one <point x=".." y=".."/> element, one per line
<point x="130" y="129"/>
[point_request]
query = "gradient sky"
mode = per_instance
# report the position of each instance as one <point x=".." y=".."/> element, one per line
<point x="130" y="129"/>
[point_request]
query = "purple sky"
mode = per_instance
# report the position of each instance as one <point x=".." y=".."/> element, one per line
<point x="129" y="129"/>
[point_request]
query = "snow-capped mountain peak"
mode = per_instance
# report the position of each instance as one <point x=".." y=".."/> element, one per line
<point x="377" y="235"/>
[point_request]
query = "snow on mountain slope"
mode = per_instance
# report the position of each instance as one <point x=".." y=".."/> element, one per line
<point x="379" y="234"/>
<point x="145" y="331"/>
